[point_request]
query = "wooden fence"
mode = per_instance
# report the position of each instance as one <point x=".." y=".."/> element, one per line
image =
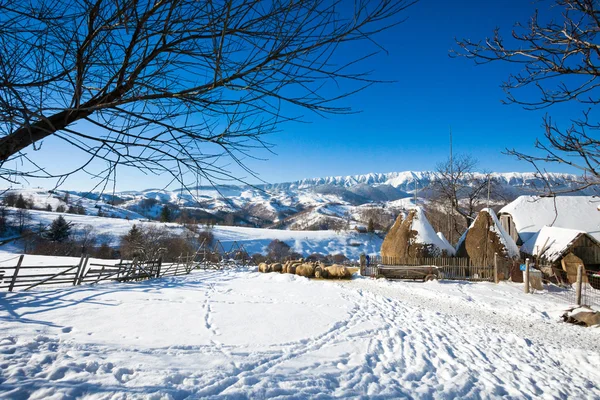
<point x="435" y="261"/>
<point x="84" y="272"/>
<point x="450" y="268"/>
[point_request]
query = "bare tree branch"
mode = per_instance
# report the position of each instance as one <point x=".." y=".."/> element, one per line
<point x="177" y="87"/>
<point x="561" y="60"/>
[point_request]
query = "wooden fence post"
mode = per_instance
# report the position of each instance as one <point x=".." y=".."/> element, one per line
<point x="526" y="277"/>
<point x="363" y="262"/>
<point x="579" y="284"/>
<point x="496" y="278"/>
<point x="76" y="279"/>
<point x="82" y="274"/>
<point x="14" y="277"/>
<point x="159" y="263"/>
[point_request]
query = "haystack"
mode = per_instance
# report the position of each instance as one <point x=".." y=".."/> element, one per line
<point x="484" y="238"/>
<point x="413" y="237"/>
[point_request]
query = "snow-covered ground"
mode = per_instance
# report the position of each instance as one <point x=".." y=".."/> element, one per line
<point x="240" y="334"/>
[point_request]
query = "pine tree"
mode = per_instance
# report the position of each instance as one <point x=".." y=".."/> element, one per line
<point x="80" y="209"/>
<point x="21" y="202"/>
<point x="134" y="236"/>
<point x="165" y="214"/>
<point x="371" y="226"/>
<point x="59" y="230"/>
<point x="48" y="207"/>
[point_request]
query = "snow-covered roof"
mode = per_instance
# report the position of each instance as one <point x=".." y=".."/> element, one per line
<point x="551" y="242"/>
<point x="511" y="247"/>
<point x="531" y="213"/>
<point x="426" y="234"/>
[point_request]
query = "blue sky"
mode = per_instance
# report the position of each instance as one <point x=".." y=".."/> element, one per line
<point x="405" y="125"/>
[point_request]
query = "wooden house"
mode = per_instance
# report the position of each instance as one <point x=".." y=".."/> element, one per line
<point x="552" y="244"/>
<point x="525" y="216"/>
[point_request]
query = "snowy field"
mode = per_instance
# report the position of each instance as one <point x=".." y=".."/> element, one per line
<point x="255" y="240"/>
<point x="240" y="334"/>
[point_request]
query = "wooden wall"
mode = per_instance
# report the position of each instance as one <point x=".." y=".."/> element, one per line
<point x="587" y="249"/>
<point x="509" y="226"/>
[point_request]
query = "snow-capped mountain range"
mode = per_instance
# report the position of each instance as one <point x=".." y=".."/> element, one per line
<point x="317" y="203"/>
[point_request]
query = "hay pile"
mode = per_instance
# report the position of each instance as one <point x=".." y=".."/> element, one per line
<point x="413" y="237"/>
<point x="485" y="237"/>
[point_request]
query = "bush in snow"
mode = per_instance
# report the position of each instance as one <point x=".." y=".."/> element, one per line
<point x="258" y="258"/>
<point x="278" y="250"/>
<point x="151" y="242"/>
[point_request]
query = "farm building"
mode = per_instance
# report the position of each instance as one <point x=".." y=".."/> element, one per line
<point x="525" y="216"/>
<point x="552" y="244"/>
<point x="412" y="236"/>
<point x="484" y="238"/>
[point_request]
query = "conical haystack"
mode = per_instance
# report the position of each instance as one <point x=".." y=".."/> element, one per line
<point x="413" y="237"/>
<point x="484" y="238"/>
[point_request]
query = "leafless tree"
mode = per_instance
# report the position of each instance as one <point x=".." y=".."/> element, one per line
<point x="185" y="88"/>
<point x="560" y="59"/>
<point x="22" y="218"/>
<point x="462" y="190"/>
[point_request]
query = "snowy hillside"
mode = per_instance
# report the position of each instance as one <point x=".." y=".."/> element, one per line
<point x="255" y="240"/>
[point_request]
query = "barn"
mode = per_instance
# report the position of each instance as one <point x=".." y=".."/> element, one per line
<point x="527" y="215"/>
<point x="552" y="244"/>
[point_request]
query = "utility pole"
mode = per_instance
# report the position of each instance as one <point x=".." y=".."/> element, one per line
<point x="489" y="182"/>
<point x="450" y="229"/>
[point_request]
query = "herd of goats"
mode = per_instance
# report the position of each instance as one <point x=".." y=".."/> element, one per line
<point x="308" y="269"/>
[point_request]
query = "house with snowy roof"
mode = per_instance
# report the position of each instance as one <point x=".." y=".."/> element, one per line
<point x="527" y="215"/>
<point x="552" y="244"/>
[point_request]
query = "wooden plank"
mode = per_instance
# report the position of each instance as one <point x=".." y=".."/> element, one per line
<point x="16" y="273"/>
<point x="51" y="282"/>
<point x="43" y="275"/>
<point x="48" y="279"/>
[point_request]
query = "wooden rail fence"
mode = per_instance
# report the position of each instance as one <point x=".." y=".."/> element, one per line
<point x="25" y="277"/>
